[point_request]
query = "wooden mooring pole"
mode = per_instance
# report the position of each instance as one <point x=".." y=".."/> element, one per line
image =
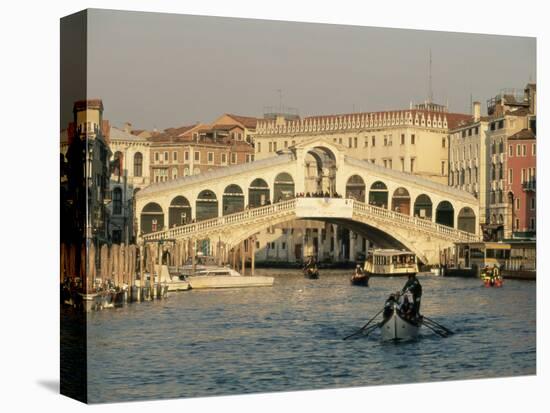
<point x="252" y="244"/>
<point x="243" y="258"/>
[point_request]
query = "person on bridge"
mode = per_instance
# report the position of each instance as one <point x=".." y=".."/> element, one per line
<point x="414" y="286"/>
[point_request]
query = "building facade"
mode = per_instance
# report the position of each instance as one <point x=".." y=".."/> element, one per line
<point x="85" y="157"/>
<point x="196" y="151"/>
<point x="511" y="112"/>
<point x="129" y="173"/>
<point x="414" y="141"/>
<point x="494" y="158"/>
<point x="522" y="182"/>
<point x="469" y="158"/>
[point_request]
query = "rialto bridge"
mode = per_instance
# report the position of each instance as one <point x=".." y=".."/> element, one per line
<point x="312" y="180"/>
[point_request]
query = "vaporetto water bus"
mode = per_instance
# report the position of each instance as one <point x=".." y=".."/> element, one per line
<point x="390" y="262"/>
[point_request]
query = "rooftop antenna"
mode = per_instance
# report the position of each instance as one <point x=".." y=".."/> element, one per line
<point x="280" y="100"/>
<point x="430" y="93"/>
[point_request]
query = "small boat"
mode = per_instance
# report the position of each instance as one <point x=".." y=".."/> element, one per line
<point x="312" y="273"/>
<point x="489" y="281"/>
<point x="360" y="279"/>
<point x="390" y="262"/>
<point x="397" y="327"/>
<point x="179" y="283"/>
<point x="90" y="301"/>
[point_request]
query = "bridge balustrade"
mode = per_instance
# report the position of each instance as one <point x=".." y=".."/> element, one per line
<point x="360" y="208"/>
<point x="231" y="219"/>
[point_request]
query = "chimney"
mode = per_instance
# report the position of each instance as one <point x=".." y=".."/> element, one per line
<point x="477" y="111"/>
<point x="127" y="127"/>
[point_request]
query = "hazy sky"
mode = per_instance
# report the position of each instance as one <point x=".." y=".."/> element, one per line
<point x="162" y="70"/>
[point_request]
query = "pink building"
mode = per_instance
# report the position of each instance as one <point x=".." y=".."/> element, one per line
<point x="521" y="181"/>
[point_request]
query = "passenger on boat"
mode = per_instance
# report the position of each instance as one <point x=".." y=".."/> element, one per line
<point x="414" y="286"/>
<point x="358" y="270"/>
<point x="389" y="304"/>
<point x="406" y="309"/>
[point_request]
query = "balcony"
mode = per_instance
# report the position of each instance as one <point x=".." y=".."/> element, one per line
<point x="530" y="185"/>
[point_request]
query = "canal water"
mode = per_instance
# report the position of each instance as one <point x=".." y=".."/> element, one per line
<point x="289" y="337"/>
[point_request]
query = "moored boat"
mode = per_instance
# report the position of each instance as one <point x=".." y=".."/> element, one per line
<point x="178" y="284"/>
<point x="207" y="274"/>
<point x="90" y="301"/>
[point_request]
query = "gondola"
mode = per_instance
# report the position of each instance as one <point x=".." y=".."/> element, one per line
<point x="312" y="273"/>
<point x="397" y="327"/>
<point x="360" y="279"/>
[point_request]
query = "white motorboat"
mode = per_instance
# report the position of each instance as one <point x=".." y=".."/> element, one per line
<point x="177" y="284"/>
<point x="396" y="327"/>
<point x="208" y="275"/>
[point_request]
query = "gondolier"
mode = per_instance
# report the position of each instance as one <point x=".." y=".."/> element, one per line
<point x="414" y="286"/>
<point x="310" y="269"/>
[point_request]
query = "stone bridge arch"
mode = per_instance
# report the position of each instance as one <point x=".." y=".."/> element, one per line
<point x="385" y="237"/>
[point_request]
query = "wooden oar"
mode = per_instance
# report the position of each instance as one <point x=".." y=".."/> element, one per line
<point x="365" y="326"/>
<point x="439" y="325"/>
<point x="436" y="331"/>
<point x="371" y="329"/>
<point x="367" y="330"/>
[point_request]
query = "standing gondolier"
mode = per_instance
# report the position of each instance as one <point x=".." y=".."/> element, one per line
<point x="414" y="286"/>
<point x="310" y="263"/>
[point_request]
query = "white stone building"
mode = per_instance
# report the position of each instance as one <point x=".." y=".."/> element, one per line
<point x="126" y="179"/>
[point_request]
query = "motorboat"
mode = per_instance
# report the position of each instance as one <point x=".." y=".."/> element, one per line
<point x="206" y="274"/>
<point x="490" y="281"/>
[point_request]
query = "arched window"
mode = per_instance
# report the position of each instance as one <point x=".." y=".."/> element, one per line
<point x="117" y="201"/>
<point x="467" y="220"/>
<point x="138" y="164"/>
<point x="117" y="164"/>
